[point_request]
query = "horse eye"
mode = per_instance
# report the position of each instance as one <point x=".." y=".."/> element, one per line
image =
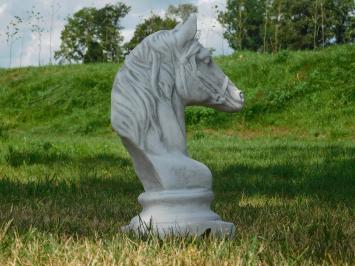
<point x="207" y="60"/>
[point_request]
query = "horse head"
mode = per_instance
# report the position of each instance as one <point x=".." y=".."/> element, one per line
<point x="199" y="81"/>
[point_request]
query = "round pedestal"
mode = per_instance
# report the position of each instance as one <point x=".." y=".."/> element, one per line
<point x="179" y="212"/>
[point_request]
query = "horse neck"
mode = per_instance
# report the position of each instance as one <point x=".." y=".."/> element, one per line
<point x="172" y="125"/>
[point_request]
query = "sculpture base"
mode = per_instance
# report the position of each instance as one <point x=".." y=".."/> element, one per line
<point x="179" y="212"/>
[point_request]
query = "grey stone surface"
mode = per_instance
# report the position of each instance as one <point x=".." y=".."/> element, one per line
<point x="167" y="71"/>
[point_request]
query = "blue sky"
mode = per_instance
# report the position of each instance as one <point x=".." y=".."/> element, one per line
<point x="25" y="51"/>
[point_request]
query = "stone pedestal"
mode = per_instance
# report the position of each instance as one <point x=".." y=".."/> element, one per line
<point x="179" y="212"/>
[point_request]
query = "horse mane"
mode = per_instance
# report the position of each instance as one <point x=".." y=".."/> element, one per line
<point x="140" y="85"/>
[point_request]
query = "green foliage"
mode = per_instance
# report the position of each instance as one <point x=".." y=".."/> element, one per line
<point x="93" y="35"/>
<point x="343" y="20"/>
<point x="181" y="11"/>
<point x="150" y="25"/>
<point x="267" y="25"/>
<point x="243" y="20"/>
<point x="310" y="92"/>
<point x="282" y="57"/>
<point x="4" y="131"/>
<point x="206" y="117"/>
<point x="35" y="153"/>
<point x="71" y="99"/>
<point x="156" y="23"/>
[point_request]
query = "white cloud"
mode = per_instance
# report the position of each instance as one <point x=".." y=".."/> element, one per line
<point x="211" y="31"/>
<point x="29" y="54"/>
<point x="2" y="8"/>
<point x="127" y="34"/>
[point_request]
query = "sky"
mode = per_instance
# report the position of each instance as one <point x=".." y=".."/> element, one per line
<point x="26" y="50"/>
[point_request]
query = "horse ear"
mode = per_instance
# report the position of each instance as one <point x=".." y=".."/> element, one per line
<point x="186" y="31"/>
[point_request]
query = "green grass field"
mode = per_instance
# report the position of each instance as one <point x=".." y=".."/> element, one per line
<point x="284" y="168"/>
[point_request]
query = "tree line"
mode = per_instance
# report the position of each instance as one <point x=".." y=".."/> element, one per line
<point x="94" y="34"/>
<point x="272" y="25"/>
<point x="257" y="25"/>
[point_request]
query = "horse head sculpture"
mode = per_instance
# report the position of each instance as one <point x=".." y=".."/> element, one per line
<point x="167" y="71"/>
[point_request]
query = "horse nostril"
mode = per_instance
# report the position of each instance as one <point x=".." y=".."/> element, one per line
<point x="241" y="94"/>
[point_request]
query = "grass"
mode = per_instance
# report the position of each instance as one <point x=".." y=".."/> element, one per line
<point x="63" y="201"/>
<point x="284" y="168"/>
<point x="308" y="94"/>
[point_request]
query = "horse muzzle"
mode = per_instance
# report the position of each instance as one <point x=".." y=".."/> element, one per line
<point x="234" y="98"/>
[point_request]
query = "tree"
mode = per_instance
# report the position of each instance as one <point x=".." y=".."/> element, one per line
<point x="266" y="24"/>
<point x="155" y="23"/>
<point x="93" y="35"/>
<point x="244" y="23"/>
<point x="271" y="25"/>
<point x="150" y="25"/>
<point x="343" y="20"/>
<point x="350" y="32"/>
<point x="181" y="11"/>
<point x="301" y="25"/>
<point x="307" y="24"/>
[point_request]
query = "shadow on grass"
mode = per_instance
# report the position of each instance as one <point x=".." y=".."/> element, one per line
<point x="327" y="173"/>
<point x="91" y="204"/>
<point x="99" y="195"/>
<point x="87" y="206"/>
<point x="17" y="157"/>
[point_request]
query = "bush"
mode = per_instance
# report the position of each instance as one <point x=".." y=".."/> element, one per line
<point x="203" y="116"/>
<point x="282" y="56"/>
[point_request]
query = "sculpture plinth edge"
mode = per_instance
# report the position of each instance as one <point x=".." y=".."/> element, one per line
<point x="179" y="212"/>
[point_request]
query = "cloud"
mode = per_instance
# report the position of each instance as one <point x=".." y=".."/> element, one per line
<point x="211" y="31"/>
<point x="127" y="34"/>
<point x="2" y="8"/>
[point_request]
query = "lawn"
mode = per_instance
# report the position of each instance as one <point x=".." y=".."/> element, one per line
<point x="63" y="201"/>
<point x="284" y="168"/>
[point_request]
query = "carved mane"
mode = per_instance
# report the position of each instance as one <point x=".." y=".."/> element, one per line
<point x="140" y="85"/>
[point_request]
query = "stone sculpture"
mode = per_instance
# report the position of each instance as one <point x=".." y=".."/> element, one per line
<point x="167" y="71"/>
